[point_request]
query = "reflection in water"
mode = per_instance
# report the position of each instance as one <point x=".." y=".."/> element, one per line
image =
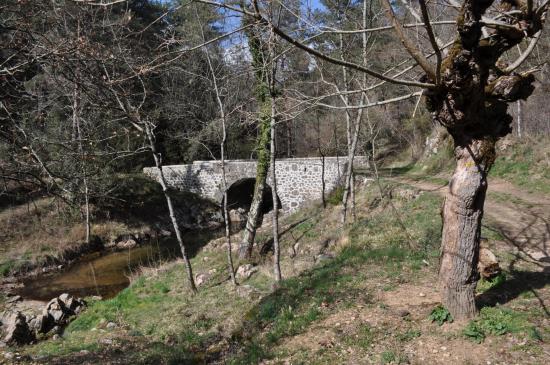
<point x="106" y="273"/>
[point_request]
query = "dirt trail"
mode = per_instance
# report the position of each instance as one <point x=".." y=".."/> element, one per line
<point x="521" y="218"/>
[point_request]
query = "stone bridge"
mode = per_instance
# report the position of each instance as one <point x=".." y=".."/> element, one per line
<point x="299" y="180"/>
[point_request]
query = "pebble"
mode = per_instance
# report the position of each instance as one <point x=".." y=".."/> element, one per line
<point x="443" y="348"/>
<point x="421" y="295"/>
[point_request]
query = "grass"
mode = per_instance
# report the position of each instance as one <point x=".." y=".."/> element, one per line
<point x="497" y="322"/>
<point x="526" y="164"/>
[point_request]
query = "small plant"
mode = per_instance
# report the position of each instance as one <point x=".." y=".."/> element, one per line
<point x="474" y="332"/>
<point x="486" y="284"/>
<point x="440" y="314"/>
<point x="408" y="336"/>
<point x="388" y="357"/>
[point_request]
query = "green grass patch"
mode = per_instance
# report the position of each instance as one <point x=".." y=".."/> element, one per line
<point x="496" y="321"/>
<point x="335" y="196"/>
<point x="525" y="164"/>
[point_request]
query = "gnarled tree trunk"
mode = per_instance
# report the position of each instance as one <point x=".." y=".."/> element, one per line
<point x="471" y="102"/>
<point x="462" y="213"/>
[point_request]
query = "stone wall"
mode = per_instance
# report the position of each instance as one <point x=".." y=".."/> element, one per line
<point x="298" y="179"/>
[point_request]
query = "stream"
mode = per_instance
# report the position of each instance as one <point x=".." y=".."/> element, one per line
<point x="106" y="273"/>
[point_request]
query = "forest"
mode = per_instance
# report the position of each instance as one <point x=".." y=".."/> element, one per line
<point x="274" y="182"/>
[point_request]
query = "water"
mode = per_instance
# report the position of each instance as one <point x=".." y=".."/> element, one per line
<point x="107" y="273"/>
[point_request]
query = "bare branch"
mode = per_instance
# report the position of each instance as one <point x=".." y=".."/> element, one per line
<point x="525" y="54"/>
<point x="408" y="44"/>
<point x="433" y="41"/>
<point x="319" y="54"/>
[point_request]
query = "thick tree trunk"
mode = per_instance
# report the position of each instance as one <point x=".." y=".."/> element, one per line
<point x="462" y="214"/>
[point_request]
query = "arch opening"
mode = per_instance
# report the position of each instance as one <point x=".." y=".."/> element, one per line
<point x="239" y="198"/>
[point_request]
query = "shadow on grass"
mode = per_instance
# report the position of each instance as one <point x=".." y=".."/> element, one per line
<point x="531" y="238"/>
<point x="520" y="282"/>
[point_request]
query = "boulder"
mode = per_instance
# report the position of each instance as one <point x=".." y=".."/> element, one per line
<point x="237" y="215"/>
<point x="246" y="271"/>
<point x="39" y="324"/>
<point x="58" y="310"/>
<point x="129" y="243"/>
<point x="200" y="279"/>
<point x="18" y="331"/>
<point x="488" y="266"/>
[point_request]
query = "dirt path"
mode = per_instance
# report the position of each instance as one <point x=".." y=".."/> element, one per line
<point x="522" y="219"/>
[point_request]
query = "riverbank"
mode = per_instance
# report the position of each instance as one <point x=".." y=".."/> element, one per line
<point x="44" y="236"/>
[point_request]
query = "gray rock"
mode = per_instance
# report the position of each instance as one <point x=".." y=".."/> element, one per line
<point x="18" y="331"/>
<point x="246" y="271"/>
<point x="111" y="325"/>
<point x="57" y="312"/>
<point x="106" y="341"/>
<point x="14" y="299"/>
<point x="129" y="243"/>
<point x="200" y="279"/>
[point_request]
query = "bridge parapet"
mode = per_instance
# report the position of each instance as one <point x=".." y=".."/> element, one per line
<point x="298" y="179"/>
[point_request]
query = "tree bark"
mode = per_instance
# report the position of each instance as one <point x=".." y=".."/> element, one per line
<point x="520" y="118"/>
<point x="462" y="214"/>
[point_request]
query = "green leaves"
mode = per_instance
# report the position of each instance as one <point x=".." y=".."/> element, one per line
<point x="440" y="315"/>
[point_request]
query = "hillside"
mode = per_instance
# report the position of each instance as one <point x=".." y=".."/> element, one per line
<point x="360" y="294"/>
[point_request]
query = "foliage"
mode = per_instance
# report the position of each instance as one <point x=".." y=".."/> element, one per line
<point x="485" y="284"/>
<point x="440" y="315"/>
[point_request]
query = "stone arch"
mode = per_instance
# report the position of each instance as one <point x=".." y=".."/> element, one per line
<point x="240" y="192"/>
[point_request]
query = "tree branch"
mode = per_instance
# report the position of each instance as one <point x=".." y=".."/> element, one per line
<point x="408" y="44"/>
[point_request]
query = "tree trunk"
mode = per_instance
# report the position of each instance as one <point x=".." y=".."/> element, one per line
<point x="227" y="221"/>
<point x="520" y="118"/>
<point x="261" y="61"/>
<point x="275" y="221"/>
<point x="462" y="214"/>
<point x="255" y="212"/>
<point x="171" y="210"/>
